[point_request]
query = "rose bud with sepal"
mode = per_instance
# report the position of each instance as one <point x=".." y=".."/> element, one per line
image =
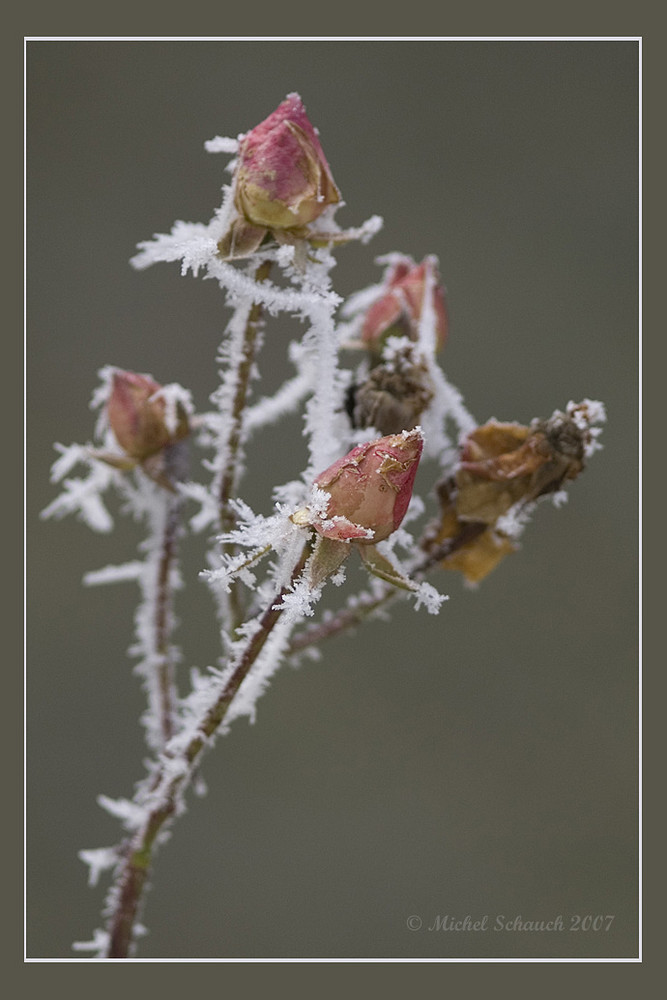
<point x="361" y="499"/>
<point x="137" y="415"/>
<point x="283" y="181"/>
<point x="150" y="423"/>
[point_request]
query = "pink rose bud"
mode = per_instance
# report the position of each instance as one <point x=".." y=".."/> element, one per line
<point x="283" y="179"/>
<point x="369" y="489"/>
<point x="400" y="310"/>
<point x="137" y="416"/>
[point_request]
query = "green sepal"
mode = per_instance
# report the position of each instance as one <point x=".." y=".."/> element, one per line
<point x="328" y="555"/>
<point x="122" y="462"/>
<point x="379" y="565"/>
<point x="240" y="240"/>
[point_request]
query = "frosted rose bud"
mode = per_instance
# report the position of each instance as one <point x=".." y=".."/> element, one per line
<point x="400" y="310"/>
<point x="369" y="489"/>
<point x="137" y="416"/>
<point x="283" y="179"/>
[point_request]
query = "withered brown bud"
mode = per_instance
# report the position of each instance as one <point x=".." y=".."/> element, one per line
<point x="392" y="398"/>
<point x="504" y="466"/>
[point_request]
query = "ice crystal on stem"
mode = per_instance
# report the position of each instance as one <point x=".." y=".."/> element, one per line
<point x="369" y="431"/>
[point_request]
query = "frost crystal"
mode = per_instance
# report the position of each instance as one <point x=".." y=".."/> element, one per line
<point x="129" y="813"/>
<point x="98" y="944"/>
<point x="221" y="144"/>
<point x="82" y="496"/>
<point x="586" y="415"/>
<point x="514" y="521"/>
<point x="175" y="396"/>
<point x="114" y="574"/>
<point x="430" y="598"/>
<point x="99" y="860"/>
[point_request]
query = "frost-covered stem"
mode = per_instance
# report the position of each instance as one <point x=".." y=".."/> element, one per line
<point x="174" y="775"/>
<point x="162" y="623"/>
<point x="155" y="620"/>
<point x="353" y="616"/>
<point x="346" y="619"/>
<point x="267" y="622"/>
<point x="231" y="438"/>
<point x="323" y="408"/>
<point x="234" y="429"/>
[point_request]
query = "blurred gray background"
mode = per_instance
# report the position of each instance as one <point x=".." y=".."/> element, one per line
<point x="481" y="762"/>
